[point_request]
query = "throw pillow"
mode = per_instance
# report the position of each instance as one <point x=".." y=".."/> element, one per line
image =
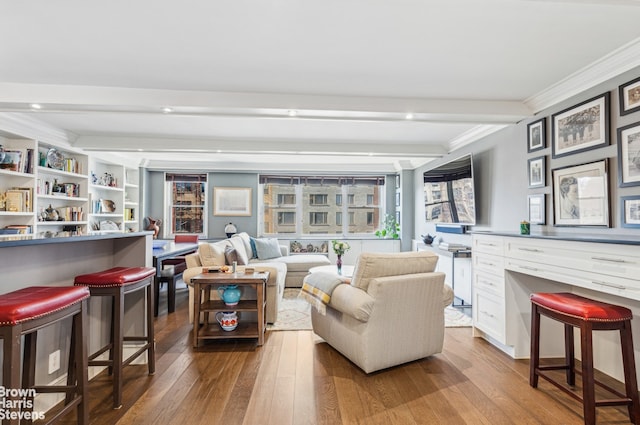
<point x="246" y="239"/>
<point x="254" y="250"/>
<point x="211" y="254"/>
<point x="241" y="252"/>
<point x="267" y="248"/>
<point x="230" y="255"/>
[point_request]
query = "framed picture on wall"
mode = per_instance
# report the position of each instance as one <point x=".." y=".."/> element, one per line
<point x="581" y="195"/>
<point x="537" y="135"/>
<point x="537" y="208"/>
<point x="537" y="170"/>
<point x="629" y="155"/>
<point x="232" y="201"/>
<point x="582" y="127"/>
<point x="629" y="94"/>
<point x="630" y="211"/>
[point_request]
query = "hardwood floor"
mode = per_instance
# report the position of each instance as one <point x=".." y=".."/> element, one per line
<point x="296" y="378"/>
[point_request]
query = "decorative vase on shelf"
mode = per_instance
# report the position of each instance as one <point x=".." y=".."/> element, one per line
<point x="339" y="264"/>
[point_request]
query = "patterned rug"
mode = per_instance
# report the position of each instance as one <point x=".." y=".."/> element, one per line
<point x="294" y="314"/>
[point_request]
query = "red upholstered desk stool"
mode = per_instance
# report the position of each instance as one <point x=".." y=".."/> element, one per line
<point x="588" y="315"/>
<point x="24" y="312"/>
<point x="116" y="283"/>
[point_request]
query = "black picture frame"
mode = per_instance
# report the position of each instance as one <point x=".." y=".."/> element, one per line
<point x="581" y="195"/>
<point x="629" y="155"/>
<point x="630" y="211"/>
<point x="537" y="209"/>
<point x="629" y="96"/>
<point x="537" y="135"/>
<point x="582" y="127"/>
<point x="537" y="171"/>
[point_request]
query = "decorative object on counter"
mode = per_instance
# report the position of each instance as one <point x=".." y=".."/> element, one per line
<point x="55" y="159"/>
<point x="390" y="228"/>
<point x="154" y="224"/>
<point x="427" y="239"/>
<point x="228" y="320"/>
<point x="525" y="228"/>
<point x="107" y="179"/>
<point x="2" y="154"/>
<point x="339" y="248"/>
<point x="230" y="230"/>
<point x="229" y="294"/>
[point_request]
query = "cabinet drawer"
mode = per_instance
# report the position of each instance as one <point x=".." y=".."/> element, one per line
<point x="488" y="263"/>
<point x="488" y="244"/>
<point x="488" y="315"/>
<point x="488" y="282"/>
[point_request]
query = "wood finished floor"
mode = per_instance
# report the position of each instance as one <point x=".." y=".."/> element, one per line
<point x="296" y="378"/>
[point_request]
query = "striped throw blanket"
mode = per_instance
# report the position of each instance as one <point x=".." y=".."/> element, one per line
<point x="317" y="289"/>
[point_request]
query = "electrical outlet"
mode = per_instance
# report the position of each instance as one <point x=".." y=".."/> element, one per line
<point x="54" y="361"/>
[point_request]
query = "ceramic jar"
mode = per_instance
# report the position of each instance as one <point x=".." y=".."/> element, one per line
<point x="230" y="294"/>
<point x="228" y="320"/>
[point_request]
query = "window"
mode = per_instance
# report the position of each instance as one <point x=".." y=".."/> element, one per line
<point x="286" y="199"/>
<point x="369" y="199"/>
<point x="186" y="200"/>
<point x="316" y="199"/>
<point x="318" y="218"/>
<point x="286" y="218"/>
<point x="356" y="211"/>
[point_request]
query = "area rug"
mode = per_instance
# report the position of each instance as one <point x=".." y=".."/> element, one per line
<point x="294" y="314"/>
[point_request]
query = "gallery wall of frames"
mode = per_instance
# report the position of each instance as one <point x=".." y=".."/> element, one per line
<point x="580" y="192"/>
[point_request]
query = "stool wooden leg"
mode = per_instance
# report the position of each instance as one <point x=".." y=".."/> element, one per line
<point x="11" y="363"/>
<point x="118" y="347"/>
<point x="535" y="346"/>
<point x="156" y="287"/>
<point x="79" y="350"/>
<point x="629" y="365"/>
<point x="569" y="355"/>
<point x="29" y="364"/>
<point x="588" y="382"/>
<point x="151" y="351"/>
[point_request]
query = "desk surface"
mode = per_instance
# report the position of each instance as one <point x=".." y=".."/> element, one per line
<point x="172" y="249"/>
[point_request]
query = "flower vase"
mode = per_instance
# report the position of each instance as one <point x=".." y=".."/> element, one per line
<point x="339" y="264"/>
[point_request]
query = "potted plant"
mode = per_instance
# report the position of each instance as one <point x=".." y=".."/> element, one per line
<point x="390" y="228"/>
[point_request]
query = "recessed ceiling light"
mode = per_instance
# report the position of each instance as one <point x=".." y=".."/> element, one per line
<point x="409" y="116"/>
<point x="293" y="113"/>
<point x="167" y="110"/>
<point x="36" y="106"/>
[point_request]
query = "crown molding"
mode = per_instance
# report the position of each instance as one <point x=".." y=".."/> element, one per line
<point x="615" y="63"/>
<point x="475" y="134"/>
<point x="22" y="125"/>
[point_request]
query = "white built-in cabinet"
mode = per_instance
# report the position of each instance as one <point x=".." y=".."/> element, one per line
<point x="40" y="196"/>
<point x="49" y="190"/>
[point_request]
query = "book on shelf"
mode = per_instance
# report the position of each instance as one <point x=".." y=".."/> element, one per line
<point x="16" y="229"/>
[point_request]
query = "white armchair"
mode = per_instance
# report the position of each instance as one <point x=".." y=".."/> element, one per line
<point x="391" y="313"/>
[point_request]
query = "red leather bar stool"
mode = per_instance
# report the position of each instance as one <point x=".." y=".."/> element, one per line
<point x="23" y="313"/>
<point x="588" y="315"/>
<point x="116" y="283"/>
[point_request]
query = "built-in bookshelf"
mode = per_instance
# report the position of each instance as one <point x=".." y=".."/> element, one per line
<point x="131" y="200"/>
<point x="107" y="196"/>
<point x="16" y="187"/>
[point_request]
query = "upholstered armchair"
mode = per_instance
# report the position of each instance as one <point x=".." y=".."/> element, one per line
<point x="391" y="313"/>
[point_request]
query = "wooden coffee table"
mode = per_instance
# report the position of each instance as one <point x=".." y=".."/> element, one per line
<point x="202" y="303"/>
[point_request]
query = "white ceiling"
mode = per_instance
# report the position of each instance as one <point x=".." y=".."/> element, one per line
<point x="231" y="71"/>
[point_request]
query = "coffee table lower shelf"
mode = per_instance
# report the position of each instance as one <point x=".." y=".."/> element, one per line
<point x="214" y="331"/>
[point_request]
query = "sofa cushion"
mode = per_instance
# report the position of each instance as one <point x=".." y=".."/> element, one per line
<point x="267" y="248"/>
<point x="373" y="265"/>
<point x="211" y="254"/>
<point x="241" y="252"/>
<point x="352" y="301"/>
<point x="303" y="262"/>
<point x="254" y="250"/>
<point x="246" y="240"/>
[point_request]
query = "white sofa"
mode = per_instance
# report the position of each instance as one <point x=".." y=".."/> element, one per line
<point x="284" y="269"/>
<point x="391" y="313"/>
